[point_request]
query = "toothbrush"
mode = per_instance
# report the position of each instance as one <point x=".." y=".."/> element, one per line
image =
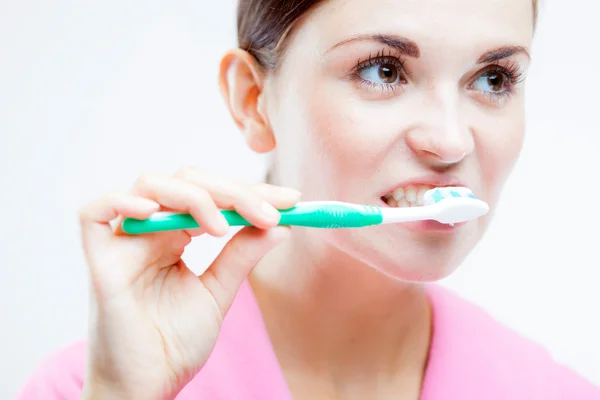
<point x="447" y="205"/>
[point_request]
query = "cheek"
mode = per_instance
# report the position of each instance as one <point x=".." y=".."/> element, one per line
<point x="498" y="147"/>
<point x="349" y="138"/>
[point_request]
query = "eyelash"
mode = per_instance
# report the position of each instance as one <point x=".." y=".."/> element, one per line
<point x="380" y="58"/>
<point x="510" y="70"/>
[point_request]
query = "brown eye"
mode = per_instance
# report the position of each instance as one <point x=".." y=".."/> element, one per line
<point x="496" y="82"/>
<point x="382" y="73"/>
<point x="491" y="82"/>
<point x="388" y="73"/>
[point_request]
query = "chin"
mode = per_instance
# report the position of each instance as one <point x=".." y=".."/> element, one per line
<point x="421" y="270"/>
<point x="406" y="254"/>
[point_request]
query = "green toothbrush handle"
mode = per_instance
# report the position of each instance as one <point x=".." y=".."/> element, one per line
<point x="314" y="215"/>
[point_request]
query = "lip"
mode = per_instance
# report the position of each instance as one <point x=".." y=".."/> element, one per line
<point x="432" y="226"/>
<point x="430" y="180"/>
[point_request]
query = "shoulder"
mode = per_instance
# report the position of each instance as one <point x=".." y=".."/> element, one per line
<point x="59" y="376"/>
<point x="480" y="348"/>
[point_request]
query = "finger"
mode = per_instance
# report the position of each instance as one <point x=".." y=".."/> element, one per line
<point x="225" y="188"/>
<point x="279" y="197"/>
<point x="195" y="232"/>
<point x="249" y="203"/>
<point x="108" y="207"/>
<point x="239" y="256"/>
<point x="182" y="196"/>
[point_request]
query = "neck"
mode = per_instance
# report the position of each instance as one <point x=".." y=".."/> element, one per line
<point x="327" y="313"/>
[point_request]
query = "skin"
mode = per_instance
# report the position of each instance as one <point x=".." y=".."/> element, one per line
<point x="335" y="134"/>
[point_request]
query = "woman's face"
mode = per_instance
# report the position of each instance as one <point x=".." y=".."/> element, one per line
<point x="386" y="94"/>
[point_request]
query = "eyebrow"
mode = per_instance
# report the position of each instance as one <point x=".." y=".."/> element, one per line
<point x="400" y="44"/>
<point x="501" y="53"/>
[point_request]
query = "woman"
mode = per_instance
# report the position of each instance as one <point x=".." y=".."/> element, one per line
<point x="368" y="102"/>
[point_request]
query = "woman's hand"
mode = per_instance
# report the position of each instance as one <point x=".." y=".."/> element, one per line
<point x="153" y="322"/>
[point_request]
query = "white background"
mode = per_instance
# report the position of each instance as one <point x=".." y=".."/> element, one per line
<point x="92" y="93"/>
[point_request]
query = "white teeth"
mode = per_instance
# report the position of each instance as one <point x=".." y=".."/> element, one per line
<point x="411" y="194"/>
<point x="403" y="203"/>
<point x="398" y="194"/>
<point x="421" y="195"/>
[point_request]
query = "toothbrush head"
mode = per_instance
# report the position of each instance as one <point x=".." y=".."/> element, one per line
<point x="455" y="204"/>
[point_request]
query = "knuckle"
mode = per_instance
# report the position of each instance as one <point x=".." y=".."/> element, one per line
<point x="86" y="211"/>
<point x="187" y="172"/>
<point x="200" y="194"/>
<point x="83" y="213"/>
<point x="255" y="187"/>
<point x="199" y="199"/>
<point x="244" y="189"/>
<point x="239" y="193"/>
<point x="261" y="190"/>
<point x="146" y="179"/>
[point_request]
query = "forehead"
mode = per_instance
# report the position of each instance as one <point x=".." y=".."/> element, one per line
<point x="437" y="24"/>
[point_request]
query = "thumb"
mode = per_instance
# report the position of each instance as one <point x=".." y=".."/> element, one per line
<point x="239" y="256"/>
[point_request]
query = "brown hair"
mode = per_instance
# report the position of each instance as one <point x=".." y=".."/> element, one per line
<point x="264" y="25"/>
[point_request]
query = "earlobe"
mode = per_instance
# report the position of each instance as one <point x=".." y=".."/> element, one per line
<point x="241" y="83"/>
<point x="258" y="138"/>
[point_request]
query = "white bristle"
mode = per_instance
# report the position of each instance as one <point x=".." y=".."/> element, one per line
<point x="448" y="205"/>
<point x="435" y="195"/>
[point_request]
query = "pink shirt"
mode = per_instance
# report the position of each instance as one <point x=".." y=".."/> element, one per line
<point x="472" y="357"/>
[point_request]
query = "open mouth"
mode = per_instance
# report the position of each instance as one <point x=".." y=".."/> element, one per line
<point x="409" y="196"/>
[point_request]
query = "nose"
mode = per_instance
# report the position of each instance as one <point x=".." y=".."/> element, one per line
<point x="443" y="137"/>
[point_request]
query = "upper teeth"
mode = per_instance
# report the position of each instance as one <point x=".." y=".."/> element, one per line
<point x="407" y="197"/>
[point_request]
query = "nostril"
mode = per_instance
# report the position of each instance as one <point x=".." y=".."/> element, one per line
<point x="453" y="159"/>
<point x="428" y="153"/>
<point x="446" y="158"/>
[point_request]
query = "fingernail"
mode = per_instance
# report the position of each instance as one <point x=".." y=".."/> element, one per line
<point x="270" y="212"/>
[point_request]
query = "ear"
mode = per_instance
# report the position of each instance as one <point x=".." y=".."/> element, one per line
<point x="241" y="83"/>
